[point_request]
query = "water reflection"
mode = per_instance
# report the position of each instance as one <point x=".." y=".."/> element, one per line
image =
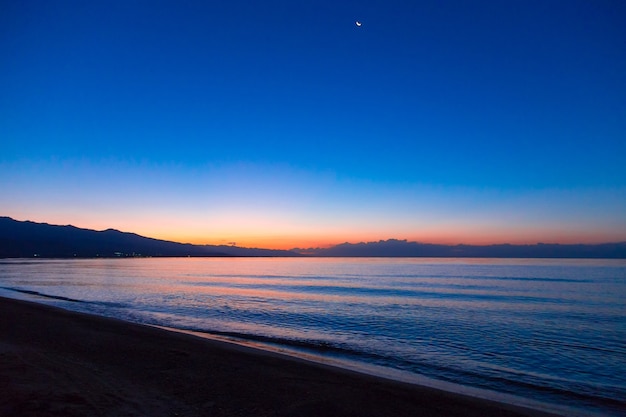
<point x="550" y="329"/>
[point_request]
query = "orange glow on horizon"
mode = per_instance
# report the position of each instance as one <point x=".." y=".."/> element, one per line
<point x="306" y="242"/>
<point x="282" y="235"/>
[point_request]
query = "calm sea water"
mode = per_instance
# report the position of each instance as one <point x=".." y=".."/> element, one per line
<point x="545" y="333"/>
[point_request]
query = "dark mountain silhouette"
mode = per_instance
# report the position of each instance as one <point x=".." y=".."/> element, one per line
<point x="26" y="239"/>
<point x="403" y="248"/>
<point x="20" y="239"/>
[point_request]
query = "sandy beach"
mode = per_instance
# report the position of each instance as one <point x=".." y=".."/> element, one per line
<point x="59" y="363"/>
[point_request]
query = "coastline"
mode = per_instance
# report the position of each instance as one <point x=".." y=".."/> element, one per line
<point x="59" y="362"/>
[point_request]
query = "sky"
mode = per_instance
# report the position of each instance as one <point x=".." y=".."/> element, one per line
<point x="284" y="124"/>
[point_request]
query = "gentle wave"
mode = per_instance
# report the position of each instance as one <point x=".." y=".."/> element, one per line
<point x="39" y="294"/>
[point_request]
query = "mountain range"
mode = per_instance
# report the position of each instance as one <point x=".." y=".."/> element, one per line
<point x="26" y="239"/>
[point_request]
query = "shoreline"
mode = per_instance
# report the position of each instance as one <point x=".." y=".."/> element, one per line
<point x="389" y="374"/>
<point x="59" y="362"/>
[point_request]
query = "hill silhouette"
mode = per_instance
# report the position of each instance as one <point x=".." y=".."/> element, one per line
<point x="26" y="239"/>
<point x="403" y="248"/>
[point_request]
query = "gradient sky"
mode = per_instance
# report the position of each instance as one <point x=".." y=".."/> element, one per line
<point x="282" y="124"/>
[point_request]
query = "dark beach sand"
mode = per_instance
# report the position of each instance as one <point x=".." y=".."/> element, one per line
<point x="59" y="363"/>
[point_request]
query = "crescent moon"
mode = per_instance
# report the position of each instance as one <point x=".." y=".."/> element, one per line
<point x="358" y="23"/>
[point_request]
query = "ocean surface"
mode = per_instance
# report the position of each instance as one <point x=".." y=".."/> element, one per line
<point x="549" y="334"/>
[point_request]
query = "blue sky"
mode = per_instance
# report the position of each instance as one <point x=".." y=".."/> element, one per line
<point x="283" y="124"/>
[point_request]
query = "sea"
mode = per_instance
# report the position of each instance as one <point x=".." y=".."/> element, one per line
<point x="549" y="334"/>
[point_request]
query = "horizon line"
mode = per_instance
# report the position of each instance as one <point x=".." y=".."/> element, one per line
<point x="347" y="242"/>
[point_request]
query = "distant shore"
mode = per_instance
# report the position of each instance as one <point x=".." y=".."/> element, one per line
<point x="56" y="362"/>
<point x="26" y="239"/>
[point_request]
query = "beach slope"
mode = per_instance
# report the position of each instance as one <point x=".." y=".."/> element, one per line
<point x="55" y="362"/>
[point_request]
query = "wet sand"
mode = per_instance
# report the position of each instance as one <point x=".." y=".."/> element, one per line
<point x="59" y="363"/>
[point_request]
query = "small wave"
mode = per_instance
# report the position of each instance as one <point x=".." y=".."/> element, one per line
<point x="39" y="294"/>
<point x="582" y="393"/>
<point x="110" y="304"/>
<point x="318" y="346"/>
<point x="478" y="277"/>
